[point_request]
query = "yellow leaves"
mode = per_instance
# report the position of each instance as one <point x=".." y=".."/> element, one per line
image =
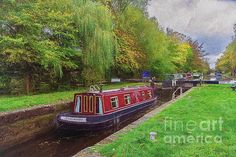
<point x="59" y="15"/>
<point x="130" y="49"/>
<point x="128" y="61"/>
<point x="183" y="50"/>
<point x="184" y="46"/>
<point x="17" y="55"/>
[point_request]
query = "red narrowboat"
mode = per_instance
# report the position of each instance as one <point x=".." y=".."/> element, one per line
<point x="98" y="110"/>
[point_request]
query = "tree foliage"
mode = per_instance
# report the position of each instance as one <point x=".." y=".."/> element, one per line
<point x="188" y="54"/>
<point x="119" y="6"/>
<point x="97" y="38"/>
<point x="52" y="36"/>
<point x="227" y="62"/>
<point x="49" y="44"/>
<point x="152" y="41"/>
<point x="38" y="36"/>
<point x="129" y="60"/>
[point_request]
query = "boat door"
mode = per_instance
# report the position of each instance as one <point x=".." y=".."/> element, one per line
<point x="88" y="104"/>
<point x="92" y="104"/>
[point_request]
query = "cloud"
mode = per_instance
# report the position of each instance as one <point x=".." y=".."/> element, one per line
<point x="209" y="21"/>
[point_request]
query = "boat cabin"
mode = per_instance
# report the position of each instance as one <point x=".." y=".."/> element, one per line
<point x="105" y="102"/>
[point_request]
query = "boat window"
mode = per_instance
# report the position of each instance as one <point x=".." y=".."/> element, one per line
<point x="143" y="95"/>
<point x="127" y="99"/>
<point x="85" y="103"/>
<point x="149" y="94"/>
<point x="114" y="102"/>
<point x="78" y="104"/>
<point x="91" y="104"/>
<point x="98" y="105"/>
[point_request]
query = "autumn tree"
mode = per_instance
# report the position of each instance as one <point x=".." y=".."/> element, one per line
<point x="189" y="54"/>
<point x="227" y="62"/>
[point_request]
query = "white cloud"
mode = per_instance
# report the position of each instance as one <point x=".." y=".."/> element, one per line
<point x="209" y="21"/>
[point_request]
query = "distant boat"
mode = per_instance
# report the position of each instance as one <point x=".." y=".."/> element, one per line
<point x="99" y="110"/>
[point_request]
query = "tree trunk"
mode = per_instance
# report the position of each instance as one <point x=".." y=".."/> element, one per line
<point x="27" y="83"/>
<point x="234" y="72"/>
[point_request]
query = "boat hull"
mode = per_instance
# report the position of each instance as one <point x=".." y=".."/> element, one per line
<point x="68" y="121"/>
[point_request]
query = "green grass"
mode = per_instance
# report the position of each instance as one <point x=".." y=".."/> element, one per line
<point x="200" y="105"/>
<point x="9" y="103"/>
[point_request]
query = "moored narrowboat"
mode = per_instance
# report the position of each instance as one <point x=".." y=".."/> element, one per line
<point x="98" y="110"/>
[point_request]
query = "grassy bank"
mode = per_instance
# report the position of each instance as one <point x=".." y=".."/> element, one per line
<point x="186" y="128"/>
<point x="8" y="103"/>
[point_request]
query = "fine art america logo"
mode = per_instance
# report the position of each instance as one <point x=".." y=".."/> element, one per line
<point x="206" y="131"/>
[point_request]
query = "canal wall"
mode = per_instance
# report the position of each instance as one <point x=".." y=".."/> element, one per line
<point x="22" y="125"/>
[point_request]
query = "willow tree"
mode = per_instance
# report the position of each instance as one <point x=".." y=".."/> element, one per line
<point x="96" y="32"/>
<point x="53" y="37"/>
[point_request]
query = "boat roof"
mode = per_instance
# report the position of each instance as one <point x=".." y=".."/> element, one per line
<point x="118" y="91"/>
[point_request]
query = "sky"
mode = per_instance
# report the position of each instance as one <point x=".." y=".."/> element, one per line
<point x="208" y="21"/>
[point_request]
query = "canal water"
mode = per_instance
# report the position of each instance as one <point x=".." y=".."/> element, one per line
<point x="54" y="144"/>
